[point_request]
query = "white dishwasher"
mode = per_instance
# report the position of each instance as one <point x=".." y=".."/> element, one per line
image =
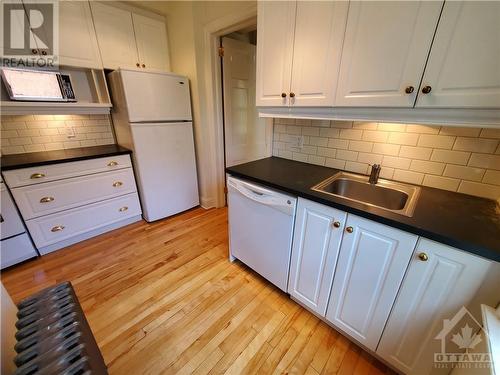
<point x="261" y="228"/>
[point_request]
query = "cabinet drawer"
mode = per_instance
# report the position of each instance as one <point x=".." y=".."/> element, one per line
<point x="36" y="175"/>
<point x="10" y="221"/>
<point x="53" y="228"/>
<point x="43" y="199"/>
<point x="15" y="250"/>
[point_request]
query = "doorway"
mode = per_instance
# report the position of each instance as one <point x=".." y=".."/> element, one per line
<point x="247" y="137"/>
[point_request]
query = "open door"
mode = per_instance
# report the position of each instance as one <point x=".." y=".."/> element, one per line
<point x="246" y="136"/>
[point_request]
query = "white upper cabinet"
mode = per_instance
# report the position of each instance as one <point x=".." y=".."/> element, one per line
<point x="464" y="63"/>
<point x="298" y="52"/>
<point x="77" y="39"/>
<point x="152" y="45"/>
<point x="440" y="280"/>
<point x="319" y="31"/>
<point x="385" y="49"/>
<point x="115" y="34"/>
<point x="275" y="29"/>
<point x="316" y="243"/>
<point x="372" y="263"/>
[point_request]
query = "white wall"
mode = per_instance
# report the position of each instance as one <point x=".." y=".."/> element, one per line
<point x="186" y="24"/>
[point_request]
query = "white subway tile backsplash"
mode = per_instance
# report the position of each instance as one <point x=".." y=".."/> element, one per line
<point x="476" y="145"/>
<point x="464" y="173"/>
<point x="452" y="158"/>
<point x="34" y="133"/>
<point x="436" y="141"/>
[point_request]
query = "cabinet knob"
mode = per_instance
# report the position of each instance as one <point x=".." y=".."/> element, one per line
<point x="117" y="184"/>
<point x="143" y="65"/>
<point x="336" y="224"/>
<point x="44" y="53"/>
<point x="112" y="163"/>
<point x="34" y="51"/>
<point x="137" y="64"/>
<point x="37" y="175"/>
<point x="124" y="208"/>
<point x="283" y="94"/>
<point x="409" y="89"/>
<point x="426" y="89"/>
<point x="349" y="229"/>
<point x="292" y="95"/>
<point x="423" y="257"/>
<point x="57" y="228"/>
<point x="46" y="199"/>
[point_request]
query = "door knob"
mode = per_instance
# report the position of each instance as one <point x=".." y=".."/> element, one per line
<point x="423" y="257"/>
<point x="409" y="89"/>
<point x="336" y="224"/>
<point x="283" y="94"/>
<point x="426" y="89"/>
<point x="349" y="229"/>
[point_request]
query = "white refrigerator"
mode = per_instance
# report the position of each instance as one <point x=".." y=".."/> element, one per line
<point x="152" y="117"/>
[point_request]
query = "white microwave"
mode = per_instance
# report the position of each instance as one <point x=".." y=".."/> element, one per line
<point x="37" y="85"/>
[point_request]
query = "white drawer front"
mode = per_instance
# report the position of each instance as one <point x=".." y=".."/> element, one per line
<point x="15" y="250"/>
<point x="10" y="221"/>
<point x="36" y="175"/>
<point x="53" y="228"/>
<point x="43" y="199"/>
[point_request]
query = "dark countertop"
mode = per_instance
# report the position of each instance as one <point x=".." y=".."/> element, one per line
<point x="463" y="221"/>
<point x="33" y="159"/>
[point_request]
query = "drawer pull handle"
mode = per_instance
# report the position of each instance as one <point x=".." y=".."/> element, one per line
<point x="37" y="175"/>
<point x="123" y="209"/>
<point x="57" y="228"/>
<point x="117" y="184"/>
<point x="112" y="163"/>
<point x="46" y="199"/>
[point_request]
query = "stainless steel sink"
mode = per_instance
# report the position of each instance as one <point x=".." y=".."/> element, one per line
<point x="388" y="195"/>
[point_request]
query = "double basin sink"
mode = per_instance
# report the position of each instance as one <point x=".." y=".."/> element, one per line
<point x="387" y="195"/>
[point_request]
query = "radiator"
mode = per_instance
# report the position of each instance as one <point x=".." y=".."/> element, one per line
<point x="54" y="337"/>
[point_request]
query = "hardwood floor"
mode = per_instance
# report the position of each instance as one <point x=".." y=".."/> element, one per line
<point x="163" y="298"/>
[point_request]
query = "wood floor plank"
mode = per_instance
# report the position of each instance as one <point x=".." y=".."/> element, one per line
<point x="162" y="298"/>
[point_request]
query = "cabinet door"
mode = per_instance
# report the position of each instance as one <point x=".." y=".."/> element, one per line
<point x="372" y="262"/>
<point x="115" y="34"/>
<point x="432" y="290"/>
<point x="385" y="48"/>
<point x="316" y="52"/>
<point x="316" y="243"/>
<point x="464" y="63"/>
<point x="152" y="45"/>
<point x="77" y="39"/>
<point x="275" y="29"/>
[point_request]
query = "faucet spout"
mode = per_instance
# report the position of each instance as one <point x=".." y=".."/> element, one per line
<point x="374" y="174"/>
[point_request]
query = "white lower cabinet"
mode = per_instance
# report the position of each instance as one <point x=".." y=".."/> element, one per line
<point x="440" y="280"/>
<point x="316" y="243"/>
<point x="372" y="263"/>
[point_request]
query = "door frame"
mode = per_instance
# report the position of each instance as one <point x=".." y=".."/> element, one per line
<point x="213" y="103"/>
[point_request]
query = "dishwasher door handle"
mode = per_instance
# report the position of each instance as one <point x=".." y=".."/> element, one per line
<point x="285" y="205"/>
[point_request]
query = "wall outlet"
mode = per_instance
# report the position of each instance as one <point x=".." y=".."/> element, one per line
<point x="296" y="141"/>
<point x="70" y="131"/>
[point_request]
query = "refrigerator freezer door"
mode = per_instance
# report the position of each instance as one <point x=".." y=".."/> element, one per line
<point x="166" y="168"/>
<point x="156" y="96"/>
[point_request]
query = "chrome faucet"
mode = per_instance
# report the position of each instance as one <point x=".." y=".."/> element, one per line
<point x="375" y="172"/>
